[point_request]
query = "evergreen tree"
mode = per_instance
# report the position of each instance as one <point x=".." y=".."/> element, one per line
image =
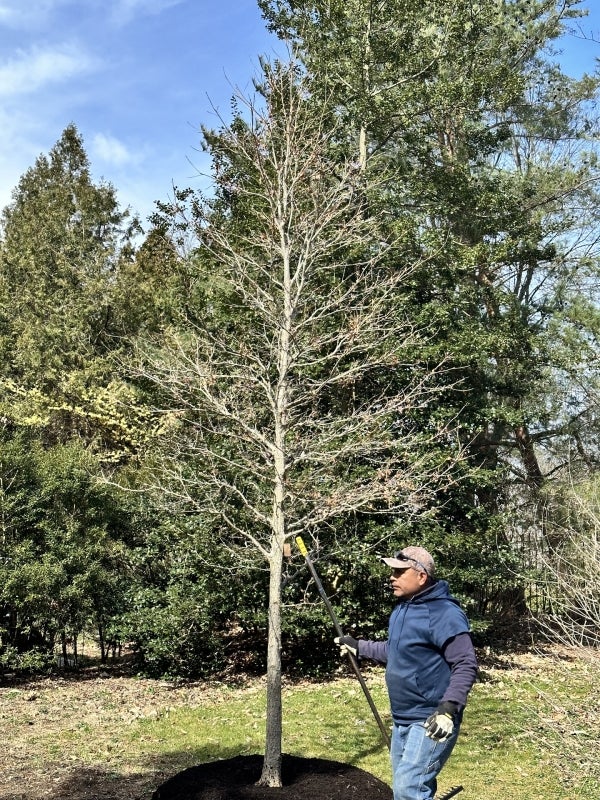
<point x="63" y="239"/>
<point x="494" y="161"/>
<point x="67" y="410"/>
<point x="62" y="550"/>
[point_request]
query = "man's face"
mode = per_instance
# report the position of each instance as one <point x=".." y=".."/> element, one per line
<point x="407" y="582"/>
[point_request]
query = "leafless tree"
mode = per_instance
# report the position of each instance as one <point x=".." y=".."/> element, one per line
<point x="570" y="565"/>
<point x="301" y="407"/>
<point x="566" y="714"/>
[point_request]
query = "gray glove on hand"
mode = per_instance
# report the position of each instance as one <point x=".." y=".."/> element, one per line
<point x="440" y="725"/>
<point x="347" y="645"/>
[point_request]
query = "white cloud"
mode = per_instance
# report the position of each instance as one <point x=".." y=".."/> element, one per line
<point x="22" y="139"/>
<point x="125" y="11"/>
<point x="21" y="14"/>
<point x="111" y="150"/>
<point x="29" y="14"/>
<point x="29" y="71"/>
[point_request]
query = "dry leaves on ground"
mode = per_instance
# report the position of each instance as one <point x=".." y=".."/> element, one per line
<point x="63" y="737"/>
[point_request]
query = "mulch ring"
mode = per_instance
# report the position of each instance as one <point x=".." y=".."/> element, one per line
<point x="303" y="779"/>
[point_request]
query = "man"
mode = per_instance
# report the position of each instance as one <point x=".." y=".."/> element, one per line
<point x="430" y="669"/>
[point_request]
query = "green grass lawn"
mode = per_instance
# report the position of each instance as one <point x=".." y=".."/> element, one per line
<point x="492" y="761"/>
<point x="502" y="753"/>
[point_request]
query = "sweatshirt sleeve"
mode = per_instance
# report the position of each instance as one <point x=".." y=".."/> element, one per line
<point x="459" y="653"/>
<point x="375" y="651"/>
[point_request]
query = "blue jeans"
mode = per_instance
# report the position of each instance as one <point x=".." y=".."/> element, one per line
<point x="417" y="760"/>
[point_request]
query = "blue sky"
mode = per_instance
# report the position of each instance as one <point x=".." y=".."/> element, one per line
<point x="138" y="78"/>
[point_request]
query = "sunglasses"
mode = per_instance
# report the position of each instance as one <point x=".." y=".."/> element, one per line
<point x="403" y="557"/>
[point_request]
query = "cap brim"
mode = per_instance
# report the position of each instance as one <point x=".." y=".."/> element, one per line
<point x="395" y="563"/>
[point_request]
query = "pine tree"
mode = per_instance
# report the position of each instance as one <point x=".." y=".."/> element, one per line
<point x="63" y="243"/>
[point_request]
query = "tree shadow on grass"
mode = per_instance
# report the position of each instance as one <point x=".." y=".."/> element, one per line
<point x="85" y="783"/>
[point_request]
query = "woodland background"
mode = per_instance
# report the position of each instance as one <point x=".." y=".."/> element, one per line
<point x="380" y="328"/>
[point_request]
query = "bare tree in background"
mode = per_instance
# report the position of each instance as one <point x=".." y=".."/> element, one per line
<point x="571" y="567"/>
<point x="300" y="409"/>
<point x="566" y="718"/>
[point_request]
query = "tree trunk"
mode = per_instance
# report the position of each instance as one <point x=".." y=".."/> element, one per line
<point x="103" y="646"/>
<point x="535" y="477"/>
<point x="366" y="89"/>
<point x="271" y="772"/>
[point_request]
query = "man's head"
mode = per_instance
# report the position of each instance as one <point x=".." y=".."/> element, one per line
<point x="412" y="570"/>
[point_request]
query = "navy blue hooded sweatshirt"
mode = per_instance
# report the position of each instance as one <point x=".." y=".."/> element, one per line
<point x="429" y="655"/>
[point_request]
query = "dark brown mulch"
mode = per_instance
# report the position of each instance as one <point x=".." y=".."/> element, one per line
<point x="303" y="779"/>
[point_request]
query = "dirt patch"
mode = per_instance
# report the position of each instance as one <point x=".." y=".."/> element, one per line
<point x="303" y="779"/>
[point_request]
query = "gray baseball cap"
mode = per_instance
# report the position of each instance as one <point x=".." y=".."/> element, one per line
<point x="412" y="557"/>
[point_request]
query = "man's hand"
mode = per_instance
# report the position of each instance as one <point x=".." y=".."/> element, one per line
<point x="347" y="645"/>
<point x="440" y="725"/>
